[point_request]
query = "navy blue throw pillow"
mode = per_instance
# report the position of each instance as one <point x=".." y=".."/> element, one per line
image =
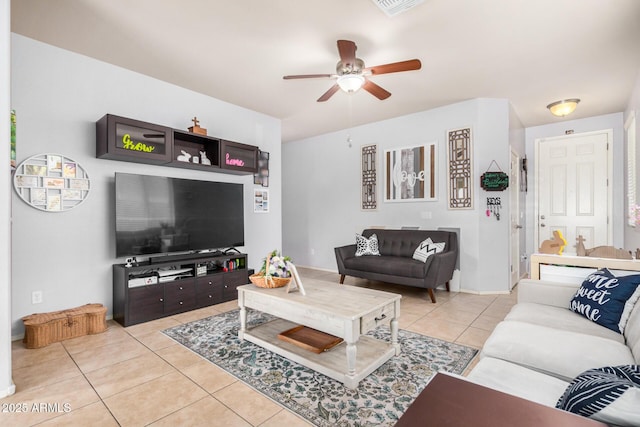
<point x="610" y="394"/>
<point x="606" y="299"/>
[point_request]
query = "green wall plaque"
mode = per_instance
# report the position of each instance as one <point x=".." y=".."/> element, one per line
<point x="494" y="181"/>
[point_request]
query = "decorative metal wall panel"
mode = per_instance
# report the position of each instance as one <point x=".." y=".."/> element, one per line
<point x="369" y="177"/>
<point x="460" y="169"/>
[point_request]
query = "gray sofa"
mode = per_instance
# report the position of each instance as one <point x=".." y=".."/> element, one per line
<point x="396" y="264"/>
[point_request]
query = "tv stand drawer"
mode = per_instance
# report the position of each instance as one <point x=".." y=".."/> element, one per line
<point x="180" y="296"/>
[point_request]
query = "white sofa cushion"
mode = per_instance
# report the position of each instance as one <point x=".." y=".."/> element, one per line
<point x="632" y="333"/>
<point x="560" y="318"/>
<point x="546" y="292"/>
<point x="554" y="351"/>
<point x="518" y="381"/>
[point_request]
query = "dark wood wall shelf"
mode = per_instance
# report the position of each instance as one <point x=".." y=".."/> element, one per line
<point x="129" y="140"/>
<point x="175" y="286"/>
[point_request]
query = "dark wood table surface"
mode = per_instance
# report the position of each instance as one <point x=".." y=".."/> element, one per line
<point x="451" y="401"/>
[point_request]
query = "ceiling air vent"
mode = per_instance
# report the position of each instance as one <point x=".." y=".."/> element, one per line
<point x="394" y="7"/>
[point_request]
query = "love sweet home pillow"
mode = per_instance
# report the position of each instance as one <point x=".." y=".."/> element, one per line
<point x="426" y="248"/>
<point x="366" y="246"/>
<point x="606" y="299"/>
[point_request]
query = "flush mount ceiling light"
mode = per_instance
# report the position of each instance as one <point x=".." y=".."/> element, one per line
<point x="350" y="82"/>
<point x="563" y="107"/>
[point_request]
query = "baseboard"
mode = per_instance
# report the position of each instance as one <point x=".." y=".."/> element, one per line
<point x="9" y="391"/>
<point x="327" y="270"/>
<point x="468" y="291"/>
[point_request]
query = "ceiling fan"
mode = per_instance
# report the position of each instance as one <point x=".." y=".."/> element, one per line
<point x="351" y="74"/>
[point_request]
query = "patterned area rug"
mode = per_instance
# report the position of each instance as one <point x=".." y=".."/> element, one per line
<point x="380" y="399"/>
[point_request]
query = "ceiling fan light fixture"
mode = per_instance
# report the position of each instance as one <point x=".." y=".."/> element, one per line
<point x="563" y="107"/>
<point x="350" y="82"/>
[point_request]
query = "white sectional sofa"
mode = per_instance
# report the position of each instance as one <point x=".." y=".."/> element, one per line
<point x="541" y="346"/>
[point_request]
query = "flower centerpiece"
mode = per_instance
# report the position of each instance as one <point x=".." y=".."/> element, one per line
<point x="274" y="272"/>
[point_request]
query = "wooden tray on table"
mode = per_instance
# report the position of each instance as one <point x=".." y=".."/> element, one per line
<point x="310" y="339"/>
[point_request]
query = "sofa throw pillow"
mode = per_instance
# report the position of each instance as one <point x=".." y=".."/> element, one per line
<point x="610" y="394"/>
<point x="606" y="299"/>
<point x="366" y="246"/>
<point x="426" y="248"/>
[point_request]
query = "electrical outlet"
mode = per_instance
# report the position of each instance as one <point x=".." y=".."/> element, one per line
<point x="36" y="297"/>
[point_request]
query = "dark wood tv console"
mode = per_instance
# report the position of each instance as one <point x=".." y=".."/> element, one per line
<point x="147" y="291"/>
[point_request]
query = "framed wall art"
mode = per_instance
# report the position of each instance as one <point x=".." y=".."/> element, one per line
<point x="460" y="162"/>
<point x="369" y="165"/>
<point x="410" y="174"/>
<point x="260" y="201"/>
<point x="51" y="182"/>
<point x="262" y="176"/>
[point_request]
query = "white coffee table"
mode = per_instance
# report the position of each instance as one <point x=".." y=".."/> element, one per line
<point x="345" y="311"/>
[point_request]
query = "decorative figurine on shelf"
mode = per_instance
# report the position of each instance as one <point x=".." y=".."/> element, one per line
<point x="555" y="245"/>
<point x="580" y="249"/>
<point x="602" y="251"/>
<point x="196" y="127"/>
<point x="204" y="159"/>
<point x="184" y="157"/>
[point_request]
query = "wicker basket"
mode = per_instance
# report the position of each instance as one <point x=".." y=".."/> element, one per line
<point x="261" y="281"/>
<point x="42" y="329"/>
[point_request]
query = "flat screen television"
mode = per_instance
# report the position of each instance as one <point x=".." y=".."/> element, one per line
<point x="161" y="215"/>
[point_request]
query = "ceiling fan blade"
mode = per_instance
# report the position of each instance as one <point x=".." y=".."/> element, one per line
<point x="307" y="76"/>
<point x="395" y="67"/>
<point x="328" y="94"/>
<point x="376" y="90"/>
<point x="347" y="51"/>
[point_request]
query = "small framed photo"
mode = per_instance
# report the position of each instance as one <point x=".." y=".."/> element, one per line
<point x="69" y="170"/>
<point x="296" y="283"/>
<point x="53" y="182"/>
<point x="55" y="163"/>
<point x="71" y="194"/>
<point x="79" y="184"/>
<point x="54" y="202"/>
<point x="26" y="181"/>
<point x="39" y="170"/>
<point x="260" y="201"/>
<point x="38" y="196"/>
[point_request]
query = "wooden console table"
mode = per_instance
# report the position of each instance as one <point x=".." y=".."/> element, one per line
<point x="451" y="401"/>
<point x="346" y="312"/>
<point x="580" y="261"/>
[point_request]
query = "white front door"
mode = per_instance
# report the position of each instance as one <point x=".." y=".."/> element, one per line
<point x="514" y="212"/>
<point x="573" y="195"/>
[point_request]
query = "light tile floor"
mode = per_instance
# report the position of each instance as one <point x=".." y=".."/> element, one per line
<point x="136" y="376"/>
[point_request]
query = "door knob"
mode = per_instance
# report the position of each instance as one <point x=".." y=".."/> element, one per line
<point x="541" y="216"/>
<point x="542" y="225"/>
<point x="518" y="226"/>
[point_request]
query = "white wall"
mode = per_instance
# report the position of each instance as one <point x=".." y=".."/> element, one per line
<point x="608" y="121"/>
<point x="6" y="384"/>
<point x="632" y="234"/>
<point x="321" y="183"/>
<point x="58" y="96"/>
